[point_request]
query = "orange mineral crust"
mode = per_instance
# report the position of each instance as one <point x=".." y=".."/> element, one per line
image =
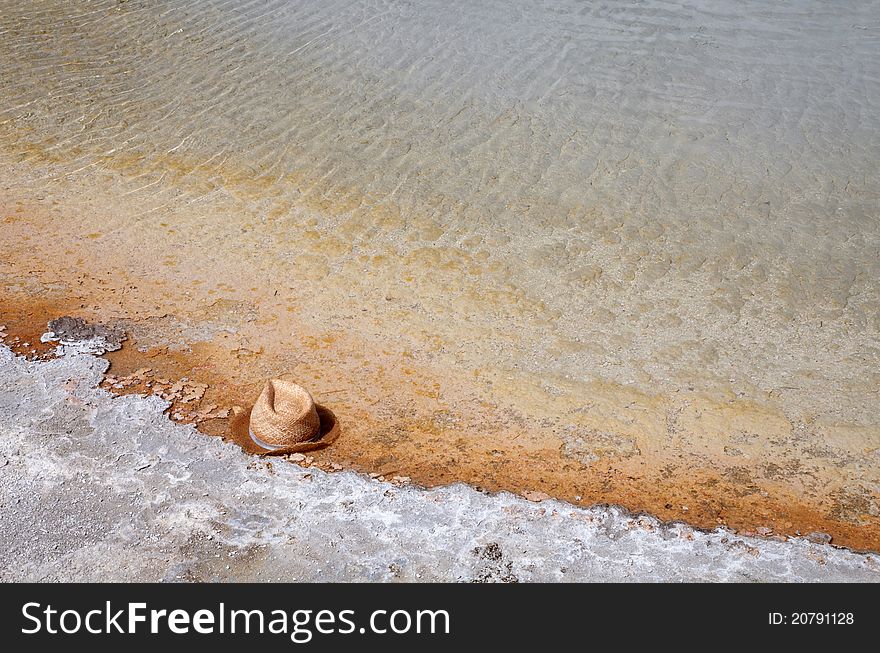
<point x="198" y="342"/>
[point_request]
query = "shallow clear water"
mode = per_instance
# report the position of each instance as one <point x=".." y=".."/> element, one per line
<point x="657" y="194"/>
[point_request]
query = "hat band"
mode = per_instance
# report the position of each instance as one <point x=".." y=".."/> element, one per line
<point x="265" y="445"/>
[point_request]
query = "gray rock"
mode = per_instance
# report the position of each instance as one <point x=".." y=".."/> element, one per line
<point x="819" y="537"/>
<point x="75" y="335"/>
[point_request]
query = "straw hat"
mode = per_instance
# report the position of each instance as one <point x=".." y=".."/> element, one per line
<point x="285" y="419"/>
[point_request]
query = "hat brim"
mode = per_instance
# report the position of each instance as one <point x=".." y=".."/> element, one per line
<point x="240" y="433"/>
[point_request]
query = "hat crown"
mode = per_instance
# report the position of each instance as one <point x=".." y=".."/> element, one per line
<point x="284" y="414"/>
